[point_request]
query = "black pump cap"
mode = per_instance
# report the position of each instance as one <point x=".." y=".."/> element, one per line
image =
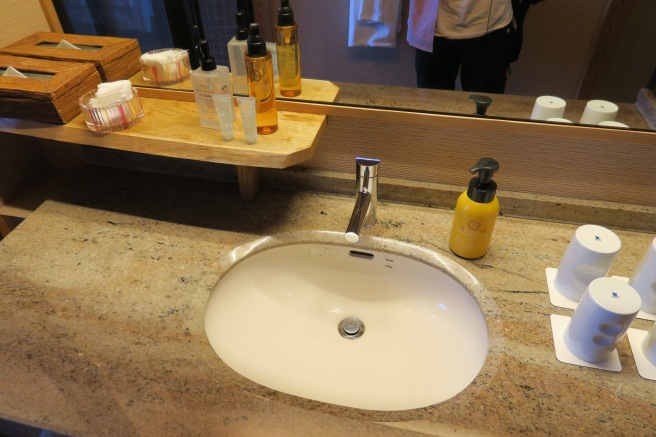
<point x="256" y="44"/>
<point x="207" y="63"/>
<point x="482" y="188"/>
<point x="242" y="26"/>
<point x="285" y="14"/>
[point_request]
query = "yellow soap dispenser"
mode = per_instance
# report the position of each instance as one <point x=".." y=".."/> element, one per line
<point x="476" y="212"/>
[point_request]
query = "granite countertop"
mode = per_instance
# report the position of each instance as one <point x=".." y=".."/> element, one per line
<point x="102" y="297"/>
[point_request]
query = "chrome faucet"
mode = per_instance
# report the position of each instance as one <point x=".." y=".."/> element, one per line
<point x="366" y="201"/>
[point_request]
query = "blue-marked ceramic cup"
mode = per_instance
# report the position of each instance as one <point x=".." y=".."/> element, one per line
<point x="643" y="279"/>
<point x="601" y="319"/>
<point x="589" y="256"/>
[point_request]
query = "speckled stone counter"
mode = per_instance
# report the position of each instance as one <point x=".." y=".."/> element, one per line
<point x="102" y="297"/>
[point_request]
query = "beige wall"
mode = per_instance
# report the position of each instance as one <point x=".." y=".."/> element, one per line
<point x="632" y="53"/>
<point x="21" y="18"/>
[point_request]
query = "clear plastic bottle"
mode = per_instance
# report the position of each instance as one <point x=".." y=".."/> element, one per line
<point x="289" y="57"/>
<point x="261" y="85"/>
<point x="237" y="47"/>
<point x="206" y="81"/>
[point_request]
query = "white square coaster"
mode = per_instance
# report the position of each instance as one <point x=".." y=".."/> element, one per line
<point x="555" y="297"/>
<point x="645" y="368"/>
<point x="561" y="301"/>
<point x="642" y="314"/>
<point x="558" y="326"/>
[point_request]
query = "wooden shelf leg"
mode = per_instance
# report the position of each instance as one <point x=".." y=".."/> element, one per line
<point x="4" y="227"/>
<point x="249" y="182"/>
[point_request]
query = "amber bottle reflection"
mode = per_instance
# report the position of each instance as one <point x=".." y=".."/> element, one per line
<point x="261" y="85"/>
<point x="289" y="58"/>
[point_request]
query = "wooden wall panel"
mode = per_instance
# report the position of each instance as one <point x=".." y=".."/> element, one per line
<point x="534" y="159"/>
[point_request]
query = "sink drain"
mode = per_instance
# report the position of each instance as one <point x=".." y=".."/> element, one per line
<point x="351" y="328"/>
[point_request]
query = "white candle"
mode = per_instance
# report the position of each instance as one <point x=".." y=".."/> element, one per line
<point x="597" y="111"/>
<point x="548" y="107"/>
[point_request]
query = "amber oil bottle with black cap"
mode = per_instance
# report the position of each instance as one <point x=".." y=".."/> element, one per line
<point x="289" y="56"/>
<point x="261" y="85"/>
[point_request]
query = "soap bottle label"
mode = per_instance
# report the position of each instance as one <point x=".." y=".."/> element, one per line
<point x="473" y="224"/>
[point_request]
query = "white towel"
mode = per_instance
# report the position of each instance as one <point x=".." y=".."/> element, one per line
<point x="371" y="11"/>
<point x="374" y="23"/>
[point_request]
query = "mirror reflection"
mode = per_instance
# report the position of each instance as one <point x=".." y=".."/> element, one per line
<point x="578" y="51"/>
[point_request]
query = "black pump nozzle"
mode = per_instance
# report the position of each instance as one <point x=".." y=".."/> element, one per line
<point x="482" y="103"/>
<point x="207" y="62"/>
<point x="482" y="188"/>
<point x="242" y="26"/>
<point x="485" y="167"/>
<point x="256" y="44"/>
<point x="285" y="14"/>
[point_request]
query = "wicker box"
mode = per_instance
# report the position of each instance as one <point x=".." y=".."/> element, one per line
<point x="53" y="96"/>
<point x="115" y="58"/>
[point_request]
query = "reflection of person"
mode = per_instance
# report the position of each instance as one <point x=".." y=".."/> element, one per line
<point x="477" y="38"/>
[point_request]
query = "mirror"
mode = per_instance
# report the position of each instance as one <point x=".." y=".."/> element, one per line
<point x="574" y="50"/>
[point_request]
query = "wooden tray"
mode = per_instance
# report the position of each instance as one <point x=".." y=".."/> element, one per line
<point x="115" y="58"/>
<point x="52" y="98"/>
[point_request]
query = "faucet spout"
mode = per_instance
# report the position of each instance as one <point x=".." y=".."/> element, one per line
<point x="366" y="189"/>
<point x="362" y="203"/>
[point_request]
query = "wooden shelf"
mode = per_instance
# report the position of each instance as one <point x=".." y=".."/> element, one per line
<point x="313" y="90"/>
<point x="172" y="128"/>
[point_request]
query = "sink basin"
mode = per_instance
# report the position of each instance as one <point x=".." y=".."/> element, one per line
<point x="381" y="325"/>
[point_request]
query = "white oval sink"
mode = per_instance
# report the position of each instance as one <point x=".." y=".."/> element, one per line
<point x="275" y="316"/>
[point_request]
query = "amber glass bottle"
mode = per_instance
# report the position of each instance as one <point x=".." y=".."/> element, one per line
<point x="289" y="58"/>
<point x="259" y="74"/>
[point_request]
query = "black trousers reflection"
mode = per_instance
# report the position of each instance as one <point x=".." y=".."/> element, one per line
<point x="483" y="62"/>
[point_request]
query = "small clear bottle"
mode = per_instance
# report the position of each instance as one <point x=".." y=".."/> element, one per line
<point x="206" y="81"/>
<point x="289" y="56"/>
<point x="236" y="49"/>
<point x="261" y="85"/>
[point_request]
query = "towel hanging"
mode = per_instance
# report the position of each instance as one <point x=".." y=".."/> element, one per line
<point x="374" y="23"/>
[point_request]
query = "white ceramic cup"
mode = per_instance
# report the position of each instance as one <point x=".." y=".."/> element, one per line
<point x="643" y="279"/>
<point x="597" y="111"/>
<point x="589" y="256"/>
<point x="546" y="107"/>
<point x="601" y="319"/>
<point x="649" y="345"/>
